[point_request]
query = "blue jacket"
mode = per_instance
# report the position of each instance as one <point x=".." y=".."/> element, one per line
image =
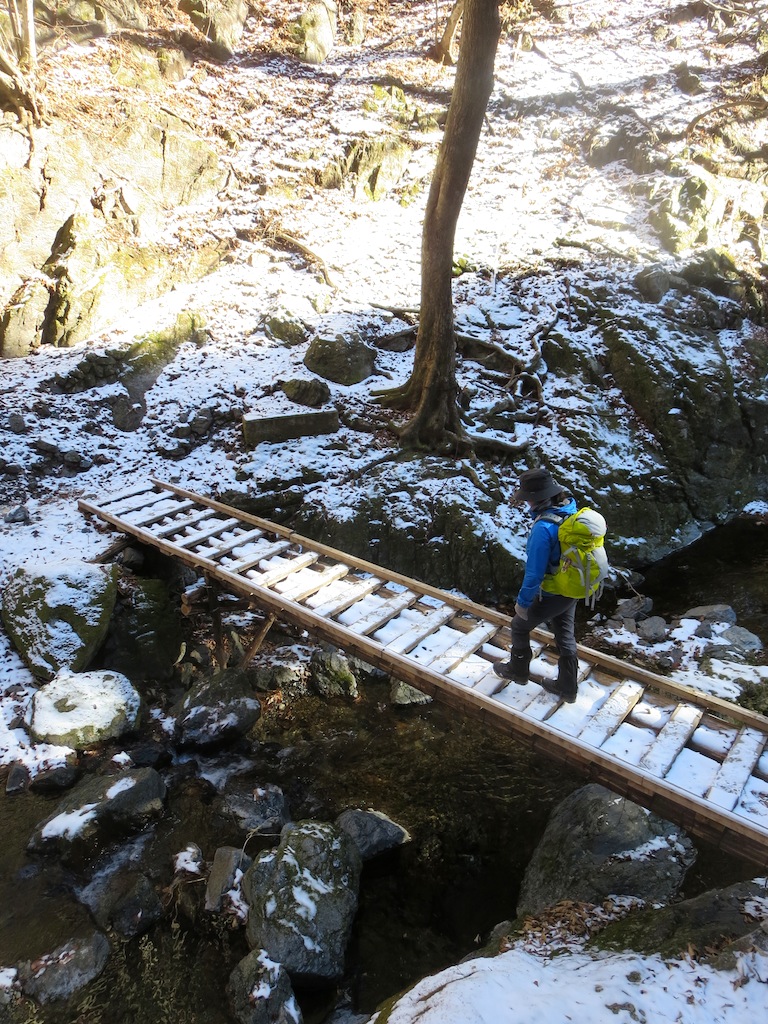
<point x="542" y="551"/>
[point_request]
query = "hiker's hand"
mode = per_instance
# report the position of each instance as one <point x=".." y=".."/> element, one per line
<point x="522" y="612"/>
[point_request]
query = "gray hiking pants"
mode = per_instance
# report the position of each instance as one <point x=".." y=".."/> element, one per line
<point x="559" y="614"/>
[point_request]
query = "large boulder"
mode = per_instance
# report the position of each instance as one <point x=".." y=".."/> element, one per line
<point x="100" y="809"/>
<point x="217" y="710"/>
<point x="596" y="845"/>
<point x="57" y="615"/>
<point x="303" y="898"/>
<point x="345" y="359"/>
<point x="82" y="709"/>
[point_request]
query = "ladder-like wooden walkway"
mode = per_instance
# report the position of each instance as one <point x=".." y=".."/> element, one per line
<point x="692" y="758"/>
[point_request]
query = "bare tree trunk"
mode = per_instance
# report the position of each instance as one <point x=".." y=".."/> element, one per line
<point x="444" y="51"/>
<point x="432" y="390"/>
<point x="29" y="42"/>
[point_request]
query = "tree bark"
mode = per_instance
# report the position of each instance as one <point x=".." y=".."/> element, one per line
<point x="432" y="390"/>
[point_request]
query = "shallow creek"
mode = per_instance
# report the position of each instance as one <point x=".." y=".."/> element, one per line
<point x="475" y="803"/>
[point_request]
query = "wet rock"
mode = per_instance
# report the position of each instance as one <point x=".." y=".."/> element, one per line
<point x="217" y="710"/>
<point x="80" y="709"/>
<point x="221" y="21"/>
<point x="261" y="812"/>
<point x="303" y="898"/>
<point x="331" y="674"/>
<point x="125" y="901"/>
<point x="227" y="862"/>
<point x="98" y="810"/>
<point x="58" y="975"/>
<point x="18" y="779"/>
<point x="53" y="780"/>
<point x="372" y="831"/>
<point x="634" y="608"/>
<point x="741" y="640"/>
<point x="403" y="694"/>
<point x="343" y="359"/>
<point x="259" y="992"/>
<point x="149" y="755"/>
<point x="286" y="327"/>
<point x="57" y="615"/>
<point x="597" y="844"/>
<point x="286" y="674"/>
<point x="145" y="633"/>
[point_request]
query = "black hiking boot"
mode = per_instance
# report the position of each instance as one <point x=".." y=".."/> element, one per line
<point x="566" y="685"/>
<point x="516" y="669"/>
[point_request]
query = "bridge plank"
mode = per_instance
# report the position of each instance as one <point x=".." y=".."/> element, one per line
<point x="458" y="652"/>
<point x="178" y="526"/>
<point x="268" y="577"/>
<point x="612" y="713"/>
<point x="375" y="618"/>
<point x="419" y="631"/>
<point x="201" y="536"/>
<point x="353" y="592"/>
<point x="737" y="768"/>
<point x="259" y="554"/>
<point x="671" y="739"/>
<point x="303" y="589"/>
<point x="155" y="514"/>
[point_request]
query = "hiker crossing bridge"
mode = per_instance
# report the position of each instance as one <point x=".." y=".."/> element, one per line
<point x="688" y="756"/>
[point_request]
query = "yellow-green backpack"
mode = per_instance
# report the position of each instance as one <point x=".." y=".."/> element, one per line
<point x="583" y="562"/>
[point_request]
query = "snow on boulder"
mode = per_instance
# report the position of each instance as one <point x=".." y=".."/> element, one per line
<point x="57" y="615"/>
<point x="98" y="810"/>
<point x="81" y="709"/>
<point x="302" y="900"/>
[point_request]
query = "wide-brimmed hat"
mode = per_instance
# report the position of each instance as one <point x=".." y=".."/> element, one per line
<point x="536" y="485"/>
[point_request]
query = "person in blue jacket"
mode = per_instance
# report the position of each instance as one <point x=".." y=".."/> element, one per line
<point x="533" y="606"/>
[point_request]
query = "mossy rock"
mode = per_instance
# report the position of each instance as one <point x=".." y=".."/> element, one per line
<point x="57" y="615"/>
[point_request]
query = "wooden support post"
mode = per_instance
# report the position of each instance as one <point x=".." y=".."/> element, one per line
<point x="220" y="654"/>
<point x="257" y="641"/>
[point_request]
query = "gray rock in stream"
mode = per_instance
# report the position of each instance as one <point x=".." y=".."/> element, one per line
<point x="303" y="899"/>
<point x="597" y="844"/>
<point x="100" y="809"/>
<point x="58" y="975"/>
<point x="259" y="992"/>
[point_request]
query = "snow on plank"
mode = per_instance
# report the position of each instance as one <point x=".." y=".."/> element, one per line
<point x="671" y="739"/>
<point x="612" y="713"/>
<point x="387" y="610"/>
<point x="349" y="593"/>
<point x="467" y="645"/>
<point x="253" y="554"/>
<point x="736" y="769"/>
<point x="420" y="630"/>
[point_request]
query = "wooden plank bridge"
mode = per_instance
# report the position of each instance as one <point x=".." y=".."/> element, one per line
<point x="690" y="757"/>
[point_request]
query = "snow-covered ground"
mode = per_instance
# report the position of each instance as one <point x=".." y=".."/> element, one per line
<point x="527" y="193"/>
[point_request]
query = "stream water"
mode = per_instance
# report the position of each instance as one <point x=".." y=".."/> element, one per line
<point x="475" y="803"/>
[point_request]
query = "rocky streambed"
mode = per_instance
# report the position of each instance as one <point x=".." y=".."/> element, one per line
<point x="304" y="827"/>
